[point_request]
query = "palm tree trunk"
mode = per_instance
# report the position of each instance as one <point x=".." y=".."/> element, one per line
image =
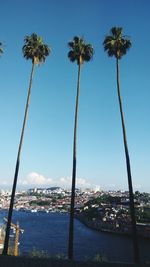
<point x="5" y="250"/>
<point x="71" y="225"/>
<point x="131" y="196"/>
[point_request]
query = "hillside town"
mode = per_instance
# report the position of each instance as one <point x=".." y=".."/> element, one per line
<point x="101" y="210"/>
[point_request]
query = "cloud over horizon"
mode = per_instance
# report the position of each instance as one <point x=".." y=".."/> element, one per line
<point x="35" y="179"/>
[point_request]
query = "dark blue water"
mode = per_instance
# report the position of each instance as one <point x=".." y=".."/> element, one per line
<point x="49" y="232"/>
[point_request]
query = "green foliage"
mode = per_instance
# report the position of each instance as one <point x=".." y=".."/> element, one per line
<point x="60" y="256"/>
<point x="107" y="199"/>
<point x="91" y="213"/>
<point x="1" y="49"/>
<point x="39" y="253"/>
<point x="143" y="215"/>
<point x="142" y="197"/>
<point x="44" y="254"/>
<point x="60" y="197"/>
<point x="34" y="48"/>
<point x="99" y="258"/>
<point x="116" y="44"/>
<point x="80" y="51"/>
<point x="40" y="202"/>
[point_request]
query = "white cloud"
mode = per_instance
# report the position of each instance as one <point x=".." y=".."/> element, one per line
<point x="110" y="186"/>
<point x="80" y="182"/>
<point x="65" y="180"/>
<point x="4" y="183"/>
<point x="137" y="186"/>
<point x="36" y="179"/>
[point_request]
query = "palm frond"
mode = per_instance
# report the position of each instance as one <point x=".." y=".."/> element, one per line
<point x="80" y="51"/>
<point x="116" y="31"/>
<point x="35" y="48"/>
<point x="1" y="48"/>
<point x="116" y="44"/>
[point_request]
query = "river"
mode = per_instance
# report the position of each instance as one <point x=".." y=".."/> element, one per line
<point x="49" y="232"/>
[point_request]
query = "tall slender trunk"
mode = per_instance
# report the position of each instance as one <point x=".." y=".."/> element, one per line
<point x="71" y="225"/>
<point x="5" y="250"/>
<point x="131" y="196"/>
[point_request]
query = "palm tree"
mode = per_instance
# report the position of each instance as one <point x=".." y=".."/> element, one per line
<point x="117" y="45"/>
<point x="37" y="51"/>
<point x="1" y="49"/>
<point x="79" y="52"/>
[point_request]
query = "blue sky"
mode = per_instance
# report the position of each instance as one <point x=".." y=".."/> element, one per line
<point x="47" y="150"/>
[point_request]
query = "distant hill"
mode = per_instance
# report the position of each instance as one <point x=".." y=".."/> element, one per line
<point x="54" y="188"/>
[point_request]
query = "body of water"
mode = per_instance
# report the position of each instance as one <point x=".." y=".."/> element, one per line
<point x="49" y="232"/>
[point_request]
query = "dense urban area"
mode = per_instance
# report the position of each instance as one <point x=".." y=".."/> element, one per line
<point x="101" y="210"/>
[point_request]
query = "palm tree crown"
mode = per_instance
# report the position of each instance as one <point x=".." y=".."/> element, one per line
<point x="116" y="44"/>
<point x="35" y="49"/>
<point x="80" y="51"/>
<point x="1" y="49"/>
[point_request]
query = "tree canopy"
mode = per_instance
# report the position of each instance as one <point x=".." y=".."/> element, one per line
<point x="80" y="51"/>
<point x="1" y="49"/>
<point x="116" y="44"/>
<point x="35" y="49"/>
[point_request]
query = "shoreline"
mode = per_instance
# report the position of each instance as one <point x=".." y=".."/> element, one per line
<point x="98" y="227"/>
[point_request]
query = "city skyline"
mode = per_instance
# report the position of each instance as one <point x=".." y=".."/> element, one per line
<point x="47" y="150"/>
